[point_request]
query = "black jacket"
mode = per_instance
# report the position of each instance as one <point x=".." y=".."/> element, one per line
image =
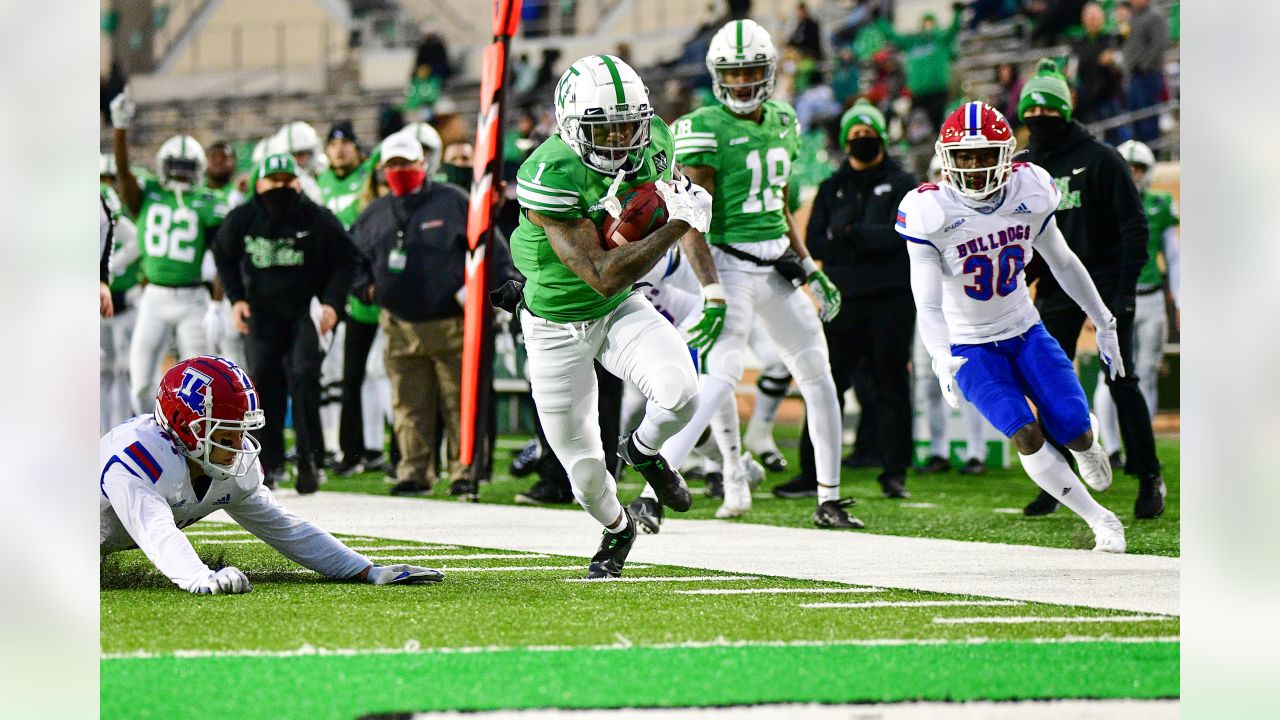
<point x="851" y="229"/>
<point x="434" y="222"/>
<point x="1100" y="214"/>
<point x="279" y="264"/>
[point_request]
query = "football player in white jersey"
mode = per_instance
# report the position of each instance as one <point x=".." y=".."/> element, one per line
<point x="969" y="238"/>
<point x="160" y="473"/>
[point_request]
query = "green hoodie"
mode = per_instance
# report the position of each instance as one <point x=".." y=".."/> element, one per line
<point x="926" y="55"/>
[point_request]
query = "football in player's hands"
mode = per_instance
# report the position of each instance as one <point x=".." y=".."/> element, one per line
<point x="643" y="212"/>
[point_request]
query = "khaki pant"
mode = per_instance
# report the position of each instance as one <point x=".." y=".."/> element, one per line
<point x="424" y="363"/>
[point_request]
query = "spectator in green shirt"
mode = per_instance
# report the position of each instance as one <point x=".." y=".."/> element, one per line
<point x="927" y="55"/>
<point x="421" y="95"/>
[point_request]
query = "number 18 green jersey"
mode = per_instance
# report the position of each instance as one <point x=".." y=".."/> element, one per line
<point x="752" y="163"/>
<point x="173" y="229"/>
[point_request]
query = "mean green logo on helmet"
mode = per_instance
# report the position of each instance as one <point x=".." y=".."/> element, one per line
<point x="743" y="63"/>
<point x="603" y="114"/>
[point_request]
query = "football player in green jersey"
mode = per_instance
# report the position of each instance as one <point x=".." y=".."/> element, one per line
<point x="741" y="150"/>
<point x="176" y="219"/>
<point x="578" y="306"/>
<point x="1150" y="318"/>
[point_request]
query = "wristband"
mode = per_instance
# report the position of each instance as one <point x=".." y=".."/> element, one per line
<point x="714" y="291"/>
<point x="810" y="267"/>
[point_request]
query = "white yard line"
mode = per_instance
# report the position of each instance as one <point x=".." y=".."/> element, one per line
<point x="1131" y="583"/>
<point x="912" y="604"/>
<point x="413" y="646"/>
<point x="919" y="505"/>
<point x="471" y="556"/>
<point x="1034" y="619"/>
<point x="778" y="591"/>
<point x="690" y="578"/>
<point x="517" y="568"/>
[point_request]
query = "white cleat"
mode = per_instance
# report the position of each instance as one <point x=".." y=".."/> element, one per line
<point x="755" y="471"/>
<point x="737" y="497"/>
<point x="1108" y="534"/>
<point x="1095" y="466"/>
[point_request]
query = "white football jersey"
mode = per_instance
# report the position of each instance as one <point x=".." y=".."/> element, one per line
<point x="145" y="496"/>
<point x="983" y="254"/>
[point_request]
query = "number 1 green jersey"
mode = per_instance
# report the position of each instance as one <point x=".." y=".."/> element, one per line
<point x="173" y="228"/>
<point x="752" y="163"/>
<point x="554" y="182"/>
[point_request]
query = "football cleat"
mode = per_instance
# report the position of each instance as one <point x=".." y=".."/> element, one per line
<point x="831" y="514"/>
<point x="665" y="480"/>
<point x="797" y="487"/>
<point x="1095" y="467"/>
<point x="894" y="486"/>
<point x="1150" y="502"/>
<point x="737" y="497"/>
<point x="608" y="560"/>
<point x="773" y="461"/>
<point x="973" y="466"/>
<point x="465" y="489"/>
<point x="935" y="464"/>
<point x="1108" y="534"/>
<point x="1042" y="505"/>
<point x="647" y="512"/>
<point x="546" y="491"/>
<point x="527" y="461"/>
<point x="411" y="487"/>
<point x="309" y="478"/>
<point x="755" y="471"/>
<point x="348" y="467"/>
<point x="760" y="442"/>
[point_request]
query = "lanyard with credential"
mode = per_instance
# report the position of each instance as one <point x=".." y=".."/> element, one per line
<point x="398" y="257"/>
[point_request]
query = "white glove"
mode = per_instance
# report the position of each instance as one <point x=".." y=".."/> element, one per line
<point x="227" y="581"/>
<point x="1109" y="348"/>
<point x="688" y="202"/>
<point x="402" y="575"/>
<point x="215" y="324"/>
<point x="946" y="369"/>
<point x="123" y="109"/>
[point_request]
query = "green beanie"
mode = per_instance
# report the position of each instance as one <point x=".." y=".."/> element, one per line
<point x="278" y="163"/>
<point x="1047" y="88"/>
<point x="863" y="113"/>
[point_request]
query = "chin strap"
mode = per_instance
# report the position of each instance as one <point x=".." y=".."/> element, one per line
<point x="611" y="203"/>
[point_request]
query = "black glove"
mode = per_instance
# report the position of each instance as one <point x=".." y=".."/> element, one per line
<point x="508" y="296"/>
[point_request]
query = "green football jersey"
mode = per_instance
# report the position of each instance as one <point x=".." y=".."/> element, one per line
<point x="555" y="182"/>
<point x="174" y="230"/>
<point x="752" y="163"/>
<point x="342" y="194"/>
<point x="1162" y="214"/>
<point x="129" y="277"/>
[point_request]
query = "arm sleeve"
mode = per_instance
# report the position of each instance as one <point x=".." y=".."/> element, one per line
<point x="228" y="248"/>
<point x="300" y="541"/>
<point x="127" y="235"/>
<point x="1071" y="274"/>
<point x="342" y="262"/>
<point x="1173" y="263"/>
<point x="926" y="287"/>
<point x="149" y="521"/>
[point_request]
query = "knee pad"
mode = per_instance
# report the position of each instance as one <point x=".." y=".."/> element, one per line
<point x="588" y="477"/>
<point x="726" y="364"/>
<point x="674" y="387"/>
<point x="811" y="365"/>
<point x="774" y="385"/>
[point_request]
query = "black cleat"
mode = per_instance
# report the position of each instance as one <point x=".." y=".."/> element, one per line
<point x="647" y="512"/>
<point x="797" y="487"/>
<point x="935" y="464"/>
<point x="1117" y="462"/>
<point x="375" y="463"/>
<point x="349" y="466"/>
<point x="309" y="478"/>
<point x="973" y="466"/>
<point x="465" y="489"/>
<point x="274" y="478"/>
<point x="1150" y="502"/>
<point x="715" y="484"/>
<point x="546" y="492"/>
<point x="773" y="461"/>
<point x="608" y="560"/>
<point x="894" y="486"/>
<point x="1042" y="505"/>
<point x="664" y="479"/>
<point x="411" y="487"/>
<point x="831" y="514"/>
<point x="527" y="461"/>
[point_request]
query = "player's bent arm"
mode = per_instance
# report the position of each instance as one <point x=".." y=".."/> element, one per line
<point x="926" y="287"/>
<point x="694" y="244"/>
<point x="577" y="243"/>
<point x="126" y="183"/>
<point x="297" y="539"/>
<point x="797" y="243"/>
<point x="126" y="234"/>
<point x="1071" y="273"/>
<point x="146" y="516"/>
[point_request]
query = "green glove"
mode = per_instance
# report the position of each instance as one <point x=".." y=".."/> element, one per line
<point x="704" y="334"/>
<point x="824" y="291"/>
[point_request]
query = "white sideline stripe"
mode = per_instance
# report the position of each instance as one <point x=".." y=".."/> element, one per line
<point x="779" y="591"/>
<point x="470" y="556"/>
<point x="1035" y="619"/>
<point x="914" y="603"/>
<point x="413" y="646"/>
<point x="516" y="568"/>
<point x="1007" y="511"/>
<point x="388" y="548"/>
<point x="693" y="578"/>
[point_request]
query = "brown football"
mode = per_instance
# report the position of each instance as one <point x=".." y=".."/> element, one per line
<point x="643" y="212"/>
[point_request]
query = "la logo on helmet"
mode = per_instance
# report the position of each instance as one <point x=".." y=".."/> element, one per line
<point x="192" y="393"/>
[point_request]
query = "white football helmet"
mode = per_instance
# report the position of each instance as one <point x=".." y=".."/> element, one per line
<point x="303" y="142"/>
<point x="431" y="143"/>
<point x="180" y="163"/>
<point x="1136" y="153"/>
<point x="935" y="169"/>
<point x="106" y="165"/>
<point x="603" y="113"/>
<point x="738" y="47"/>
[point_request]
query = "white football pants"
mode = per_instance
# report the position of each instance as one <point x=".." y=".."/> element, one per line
<point x="163" y="311"/>
<point x="1150" y="333"/>
<point x="375" y="396"/>
<point x="636" y="344"/>
<point x="116" y="332"/>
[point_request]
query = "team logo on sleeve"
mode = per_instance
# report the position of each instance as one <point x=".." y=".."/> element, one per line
<point x="660" y="161"/>
<point x="192" y="393"/>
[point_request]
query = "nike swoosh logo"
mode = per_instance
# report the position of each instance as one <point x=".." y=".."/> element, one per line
<point x="1077" y="171"/>
<point x="783" y="133"/>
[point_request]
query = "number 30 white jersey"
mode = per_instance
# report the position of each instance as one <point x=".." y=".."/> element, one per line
<point x="983" y="254"/>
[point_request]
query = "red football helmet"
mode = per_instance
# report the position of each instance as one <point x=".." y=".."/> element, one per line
<point x="976" y="126"/>
<point x="204" y="394"/>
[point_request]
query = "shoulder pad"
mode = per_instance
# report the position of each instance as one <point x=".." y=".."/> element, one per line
<point x="919" y="214"/>
<point x="1032" y="185"/>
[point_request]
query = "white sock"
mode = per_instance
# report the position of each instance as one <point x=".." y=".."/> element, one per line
<point x="1051" y="472"/>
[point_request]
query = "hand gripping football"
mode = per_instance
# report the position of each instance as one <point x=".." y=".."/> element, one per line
<point x="643" y="212"/>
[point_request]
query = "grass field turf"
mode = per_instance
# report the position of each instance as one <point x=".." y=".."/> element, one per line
<point x="965" y="506"/>
<point x="486" y="640"/>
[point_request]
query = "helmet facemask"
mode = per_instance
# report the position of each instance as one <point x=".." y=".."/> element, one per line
<point x="743" y="95"/>
<point x="976" y="170"/>
<point x="180" y="173"/>
<point x="611" y="142"/>
<point x="243" y="457"/>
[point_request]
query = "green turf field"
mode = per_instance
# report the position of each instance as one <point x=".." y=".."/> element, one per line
<point x="487" y="638"/>
<point x="984" y="508"/>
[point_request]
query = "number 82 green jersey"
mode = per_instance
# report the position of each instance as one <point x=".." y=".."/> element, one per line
<point x="752" y="163"/>
<point x="173" y="230"/>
